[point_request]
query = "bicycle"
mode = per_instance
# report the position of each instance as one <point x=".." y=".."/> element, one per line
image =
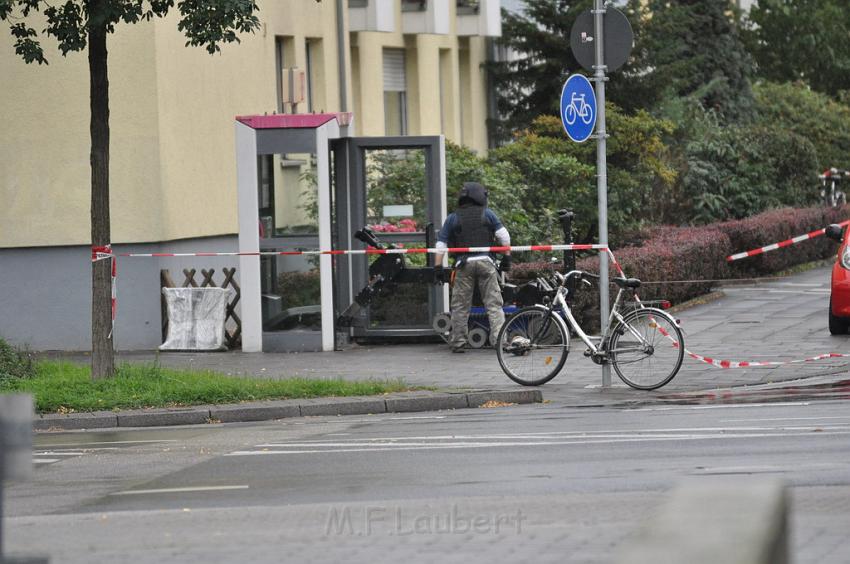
<point x="583" y="110"/>
<point x="643" y="343"/>
<point x="829" y="193"/>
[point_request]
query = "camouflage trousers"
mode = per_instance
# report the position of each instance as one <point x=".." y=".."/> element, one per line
<point x="483" y="273"/>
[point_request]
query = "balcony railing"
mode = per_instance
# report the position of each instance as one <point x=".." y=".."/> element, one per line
<point x="468" y="7"/>
<point x="371" y="15"/>
<point x="425" y="16"/>
<point x="479" y="17"/>
<point x="414" y="5"/>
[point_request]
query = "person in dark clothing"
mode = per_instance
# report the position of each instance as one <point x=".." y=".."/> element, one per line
<point x="473" y="224"/>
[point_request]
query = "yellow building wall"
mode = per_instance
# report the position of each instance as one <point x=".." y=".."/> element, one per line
<point x="172" y="161"/>
<point x="203" y="93"/>
<point x="475" y="98"/>
<point x="172" y="158"/>
<point x="434" y="86"/>
<point x="45" y="179"/>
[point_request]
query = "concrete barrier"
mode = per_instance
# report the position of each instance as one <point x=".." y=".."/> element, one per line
<point x="711" y="520"/>
<point x="16" y="415"/>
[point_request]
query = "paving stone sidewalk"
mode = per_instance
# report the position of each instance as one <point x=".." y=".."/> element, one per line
<point x="777" y="320"/>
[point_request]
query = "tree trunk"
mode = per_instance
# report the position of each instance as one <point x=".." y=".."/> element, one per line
<point x="102" y="359"/>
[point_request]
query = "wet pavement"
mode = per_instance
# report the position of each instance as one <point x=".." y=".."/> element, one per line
<point x="779" y="320"/>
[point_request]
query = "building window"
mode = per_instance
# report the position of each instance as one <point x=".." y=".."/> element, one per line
<point x="465" y="87"/>
<point x="284" y="57"/>
<point x="311" y="67"/>
<point x="395" y="92"/>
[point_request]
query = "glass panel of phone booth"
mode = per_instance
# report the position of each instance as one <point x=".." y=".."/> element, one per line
<point x="291" y="297"/>
<point x="395" y="191"/>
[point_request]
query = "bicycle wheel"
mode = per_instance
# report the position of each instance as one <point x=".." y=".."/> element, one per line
<point x="646" y="349"/>
<point x="532" y="346"/>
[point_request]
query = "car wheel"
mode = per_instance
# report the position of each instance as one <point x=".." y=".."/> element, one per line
<point x="837" y="325"/>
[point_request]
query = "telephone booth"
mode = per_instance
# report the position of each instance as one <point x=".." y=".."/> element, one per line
<point x="304" y="183"/>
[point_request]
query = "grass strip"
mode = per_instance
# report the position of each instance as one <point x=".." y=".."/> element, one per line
<point x="66" y="387"/>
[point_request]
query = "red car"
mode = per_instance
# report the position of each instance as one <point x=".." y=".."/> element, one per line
<point x="839" y="296"/>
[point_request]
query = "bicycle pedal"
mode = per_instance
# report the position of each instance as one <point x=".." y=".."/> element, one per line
<point x="588" y="353"/>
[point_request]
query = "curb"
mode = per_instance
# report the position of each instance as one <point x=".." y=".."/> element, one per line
<point x="405" y="402"/>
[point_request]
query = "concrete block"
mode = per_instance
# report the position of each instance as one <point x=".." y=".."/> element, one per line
<point x="343" y="406"/>
<point x="255" y="411"/>
<point x="161" y="417"/>
<point x="477" y="399"/>
<point x="71" y="421"/>
<point x="428" y="401"/>
<point x="734" y="520"/>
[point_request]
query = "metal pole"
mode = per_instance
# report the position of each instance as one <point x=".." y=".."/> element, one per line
<point x="601" y="172"/>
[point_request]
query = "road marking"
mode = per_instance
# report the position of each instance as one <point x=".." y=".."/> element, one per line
<point x="589" y="441"/>
<point x="59" y="453"/>
<point x="719" y="406"/>
<point x="67" y="445"/>
<point x="44" y="460"/>
<point x="610" y="433"/>
<point x="787" y="418"/>
<point x="182" y="490"/>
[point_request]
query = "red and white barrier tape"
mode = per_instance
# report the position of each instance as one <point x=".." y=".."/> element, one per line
<point x="747" y="364"/>
<point x="99" y="253"/>
<point x="781" y="244"/>
<point x="372" y="251"/>
<point x="732" y="363"/>
<point x="103" y="253"/>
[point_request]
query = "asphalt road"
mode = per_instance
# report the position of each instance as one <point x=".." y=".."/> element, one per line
<point x="544" y="483"/>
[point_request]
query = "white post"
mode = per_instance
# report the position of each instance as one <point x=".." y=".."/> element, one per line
<point x="325" y="267"/>
<point x="249" y="238"/>
<point x="602" y="172"/>
<point x="16" y="413"/>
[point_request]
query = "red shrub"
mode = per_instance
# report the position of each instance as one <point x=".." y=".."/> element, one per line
<point x="672" y="260"/>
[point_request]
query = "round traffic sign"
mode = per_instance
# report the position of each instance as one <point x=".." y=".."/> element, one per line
<point x="617" y="46"/>
<point x="578" y="108"/>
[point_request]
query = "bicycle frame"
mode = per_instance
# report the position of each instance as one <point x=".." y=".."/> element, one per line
<point x="614" y="315"/>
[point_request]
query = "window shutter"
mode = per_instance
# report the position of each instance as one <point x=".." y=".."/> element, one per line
<point x="394" y="76"/>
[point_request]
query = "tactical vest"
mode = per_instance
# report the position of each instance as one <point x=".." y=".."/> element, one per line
<point x="472" y="229"/>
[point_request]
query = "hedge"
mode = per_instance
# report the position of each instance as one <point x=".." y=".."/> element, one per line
<point x="670" y="255"/>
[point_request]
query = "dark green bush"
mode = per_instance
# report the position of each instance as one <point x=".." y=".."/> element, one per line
<point x="811" y="115"/>
<point x="298" y="289"/>
<point x="15" y="363"/>
<point x="733" y="172"/>
<point x="554" y="173"/>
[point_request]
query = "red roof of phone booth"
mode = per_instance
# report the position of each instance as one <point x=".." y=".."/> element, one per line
<point x="294" y="121"/>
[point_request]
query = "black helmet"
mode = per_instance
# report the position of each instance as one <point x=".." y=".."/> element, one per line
<point x="473" y="192"/>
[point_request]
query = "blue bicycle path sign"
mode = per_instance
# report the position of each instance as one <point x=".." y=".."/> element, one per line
<point x="578" y="108"/>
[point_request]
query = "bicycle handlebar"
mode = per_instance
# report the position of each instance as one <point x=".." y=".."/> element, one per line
<point x="581" y="274"/>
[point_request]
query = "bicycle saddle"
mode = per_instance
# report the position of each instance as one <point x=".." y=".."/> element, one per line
<point x="627" y="282"/>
